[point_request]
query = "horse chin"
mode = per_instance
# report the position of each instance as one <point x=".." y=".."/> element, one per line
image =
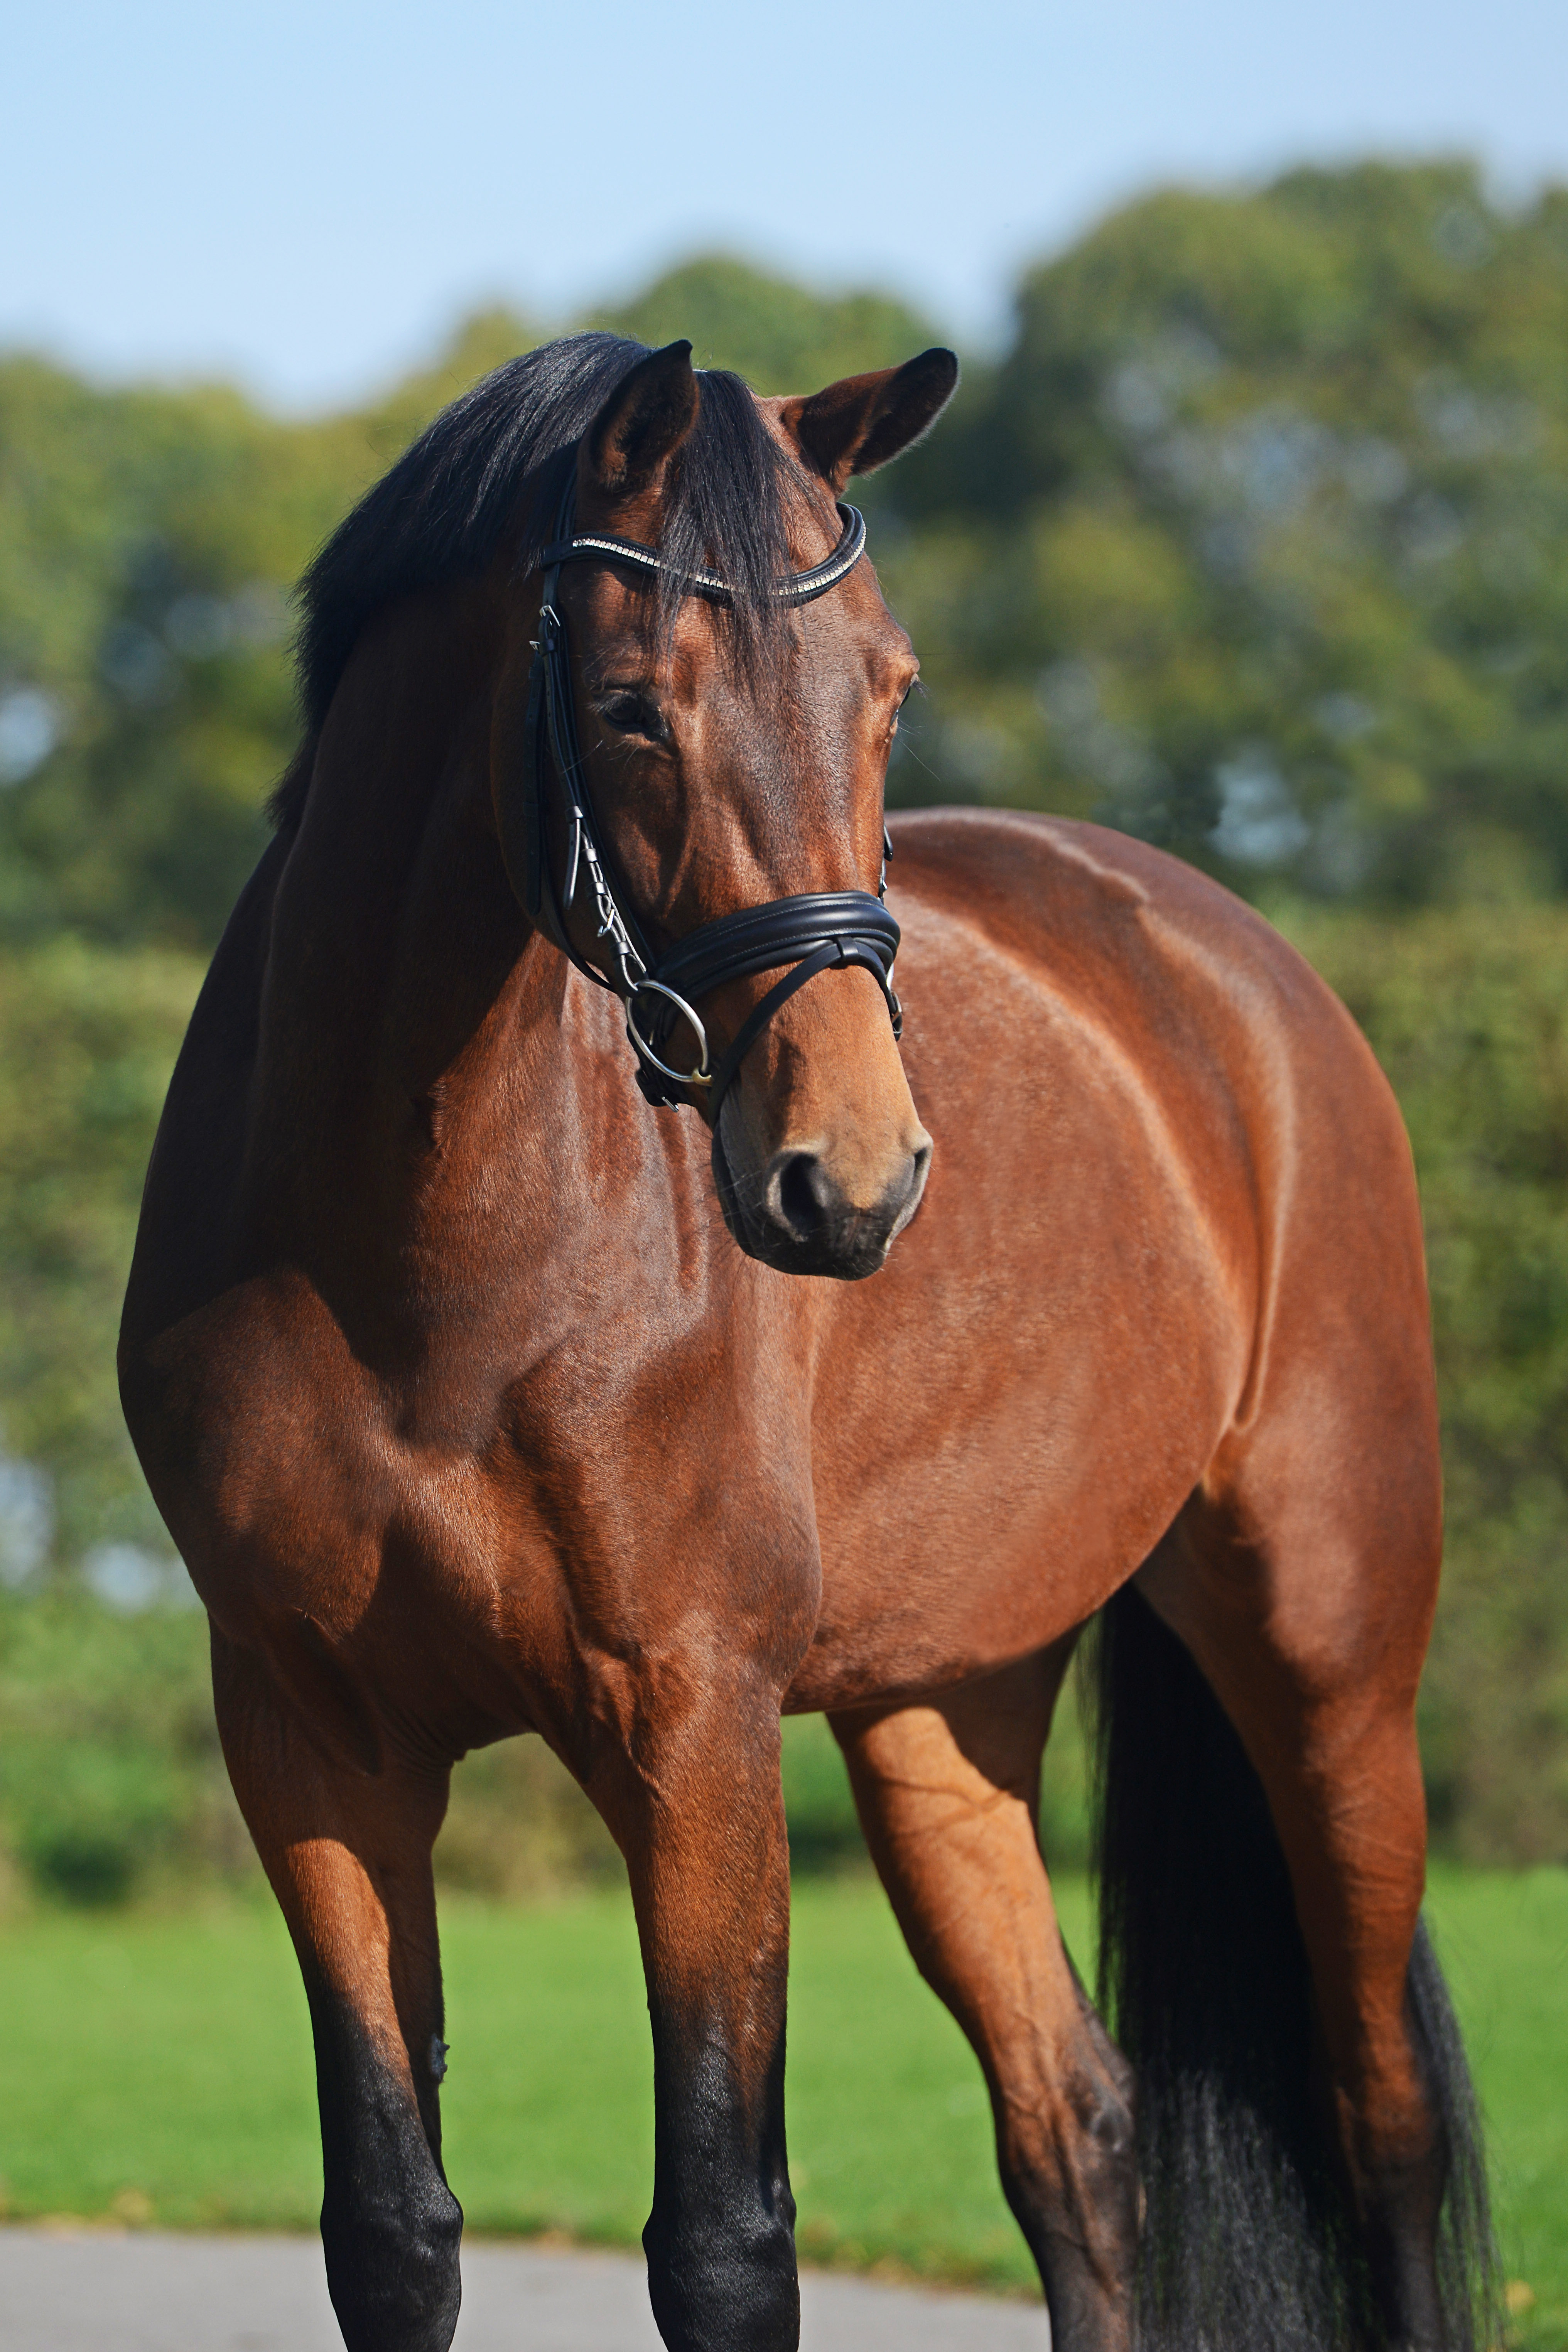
<point x="843" y="1246"/>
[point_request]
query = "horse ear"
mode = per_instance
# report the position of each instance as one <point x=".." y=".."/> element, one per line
<point x="644" y="421"/>
<point x="860" y="422"/>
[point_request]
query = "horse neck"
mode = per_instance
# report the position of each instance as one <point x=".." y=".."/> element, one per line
<point x="412" y="1022"/>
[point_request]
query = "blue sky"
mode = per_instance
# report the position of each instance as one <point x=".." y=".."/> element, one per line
<point x="307" y="197"/>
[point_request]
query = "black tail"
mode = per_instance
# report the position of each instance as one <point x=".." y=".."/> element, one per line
<point x="1249" y="2242"/>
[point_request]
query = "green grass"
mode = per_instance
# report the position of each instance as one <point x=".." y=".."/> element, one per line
<point x="161" y="2066"/>
<point x="1503" y="1942"/>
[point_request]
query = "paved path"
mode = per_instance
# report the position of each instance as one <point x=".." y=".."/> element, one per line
<point x="143" y="2291"/>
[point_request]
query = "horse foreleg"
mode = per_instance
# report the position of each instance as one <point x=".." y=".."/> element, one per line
<point x="348" y="1853"/>
<point x="694" y="1802"/>
<point x="947" y="1793"/>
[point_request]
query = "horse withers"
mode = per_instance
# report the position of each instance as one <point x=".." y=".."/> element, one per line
<point x="485" y="1390"/>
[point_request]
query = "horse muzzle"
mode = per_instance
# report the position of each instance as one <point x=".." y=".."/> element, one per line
<point x="800" y="1217"/>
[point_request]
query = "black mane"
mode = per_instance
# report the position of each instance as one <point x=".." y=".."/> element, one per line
<point x="439" y="514"/>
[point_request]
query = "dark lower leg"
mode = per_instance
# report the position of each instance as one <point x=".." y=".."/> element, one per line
<point x="720" y="2238"/>
<point x="701" y="1825"/>
<point x="390" y="2225"/>
<point x="348" y="1854"/>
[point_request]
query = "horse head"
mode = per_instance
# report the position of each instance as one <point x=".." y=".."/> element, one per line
<point x="713" y="684"/>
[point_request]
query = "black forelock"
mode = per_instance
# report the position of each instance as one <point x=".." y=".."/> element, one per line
<point x="501" y="450"/>
<point x="439" y="513"/>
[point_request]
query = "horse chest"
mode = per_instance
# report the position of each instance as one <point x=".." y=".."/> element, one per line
<point x="492" y="1490"/>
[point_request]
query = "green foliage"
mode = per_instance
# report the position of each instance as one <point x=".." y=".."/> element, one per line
<point x="1470" y="1021"/>
<point x="518" y="1827"/>
<point x="824" y="1833"/>
<point x="112" y="1781"/>
<point x="775" y="334"/>
<point x="1247" y="544"/>
<point x="1252" y="541"/>
<point x="87" y="1038"/>
<point x="147" y="541"/>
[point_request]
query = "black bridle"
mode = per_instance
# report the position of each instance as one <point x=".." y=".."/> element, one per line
<point x="811" y="932"/>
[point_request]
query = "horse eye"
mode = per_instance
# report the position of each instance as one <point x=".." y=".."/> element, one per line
<point x="633" y="714"/>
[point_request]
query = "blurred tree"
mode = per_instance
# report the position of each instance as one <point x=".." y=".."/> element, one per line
<point x="1252" y="544"/>
<point x="87" y="1037"/>
<point x="1252" y="541"/>
<point x="777" y="335"/>
<point x="147" y="542"/>
<point x="1470" y="1021"/>
<point x="111" y="1781"/>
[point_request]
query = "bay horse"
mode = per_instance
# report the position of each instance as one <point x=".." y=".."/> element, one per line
<point x="485" y="1392"/>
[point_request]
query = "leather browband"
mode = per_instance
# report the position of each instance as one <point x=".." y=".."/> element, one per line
<point x="794" y="588"/>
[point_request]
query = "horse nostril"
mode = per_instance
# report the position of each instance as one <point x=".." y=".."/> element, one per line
<point x="803" y="1195"/>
